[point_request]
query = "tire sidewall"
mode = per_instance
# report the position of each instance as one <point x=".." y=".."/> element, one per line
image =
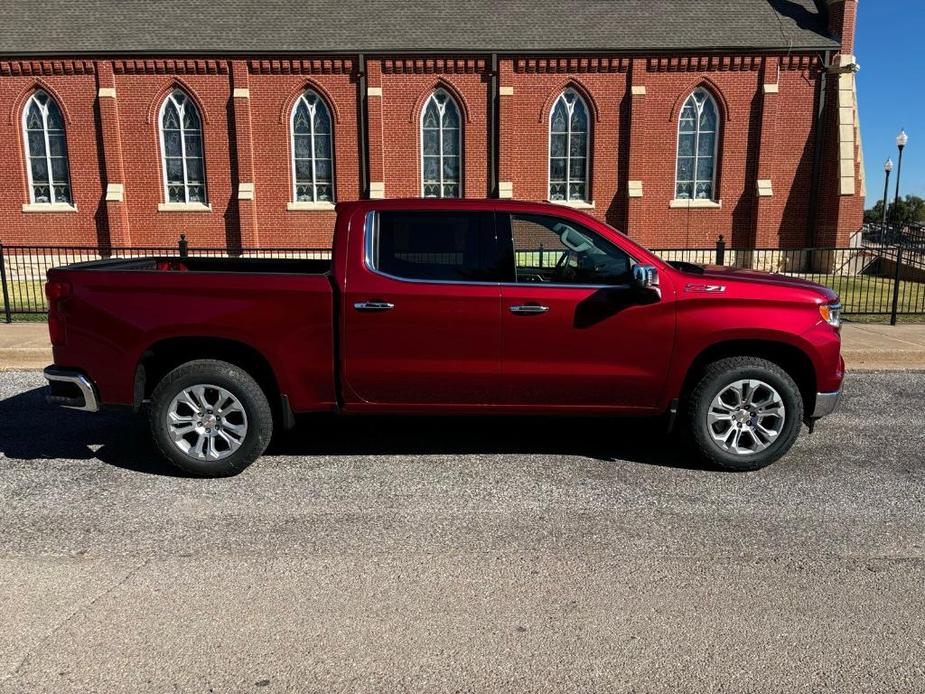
<point x="716" y="382"/>
<point x="237" y="382"/>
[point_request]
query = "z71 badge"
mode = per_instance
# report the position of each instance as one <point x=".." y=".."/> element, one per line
<point x="713" y="288"/>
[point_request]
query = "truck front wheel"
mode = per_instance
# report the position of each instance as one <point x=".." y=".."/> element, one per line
<point x="744" y="413"/>
<point x="210" y="418"/>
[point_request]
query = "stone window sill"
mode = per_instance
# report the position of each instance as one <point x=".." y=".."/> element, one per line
<point x="305" y="206"/>
<point x="183" y="207"/>
<point x="49" y="207"/>
<point x="574" y="204"/>
<point x="696" y="204"/>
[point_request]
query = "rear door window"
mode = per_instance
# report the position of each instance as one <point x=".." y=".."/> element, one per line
<point x="436" y="246"/>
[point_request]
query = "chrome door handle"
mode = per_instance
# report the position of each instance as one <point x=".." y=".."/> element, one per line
<point x="373" y="306"/>
<point x="527" y="309"/>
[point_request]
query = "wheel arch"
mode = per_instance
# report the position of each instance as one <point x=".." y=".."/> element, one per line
<point x="789" y="357"/>
<point x="163" y="356"/>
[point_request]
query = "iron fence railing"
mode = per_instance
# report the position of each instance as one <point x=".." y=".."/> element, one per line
<point x="874" y="279"/>
<point x="883" y="281"/>
<point x="909" y="236"/>
<point x="23" y="268"/>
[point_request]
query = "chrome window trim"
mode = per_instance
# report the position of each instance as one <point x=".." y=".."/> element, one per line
<point x="371" y="232"/>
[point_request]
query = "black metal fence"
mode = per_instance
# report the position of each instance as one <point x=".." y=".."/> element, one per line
<point x="23" y="268"/>
<point x="881" y="278"/>
<point x="873" y="281"/>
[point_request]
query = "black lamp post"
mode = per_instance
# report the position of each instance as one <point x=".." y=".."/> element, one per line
<point x="886" y="187"/>
<point x="901" y="140"/>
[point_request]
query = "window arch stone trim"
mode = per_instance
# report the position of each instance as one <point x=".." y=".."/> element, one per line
<point x="154" y="106"/>
<point x="583" y="91"/>
<point x="37" y="84"/>
<point x="415" y="115"/>
<point x="285" y="112"/>
<point x="710" y="86"/>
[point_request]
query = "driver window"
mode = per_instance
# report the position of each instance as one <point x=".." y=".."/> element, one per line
<point x="548" y="250"/>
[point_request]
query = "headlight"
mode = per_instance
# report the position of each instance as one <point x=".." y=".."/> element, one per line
<point x="831" y="314"/>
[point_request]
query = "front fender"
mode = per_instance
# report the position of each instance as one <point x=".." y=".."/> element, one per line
<point x="718" y="327"/>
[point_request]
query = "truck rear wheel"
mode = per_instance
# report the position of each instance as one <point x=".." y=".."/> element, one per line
<point x="210" y="418"/>
<point x="744" y="413"/>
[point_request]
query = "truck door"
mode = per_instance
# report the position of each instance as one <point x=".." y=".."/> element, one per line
<point x="421" y="311"/>
<point x="575" y="332"/>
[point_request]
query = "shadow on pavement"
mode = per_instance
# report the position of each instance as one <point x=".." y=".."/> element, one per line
<point x="30" y="429"/>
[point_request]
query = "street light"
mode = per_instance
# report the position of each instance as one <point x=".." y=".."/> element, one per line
<point x="901" y="141"/>
<point x="886" y="187"/>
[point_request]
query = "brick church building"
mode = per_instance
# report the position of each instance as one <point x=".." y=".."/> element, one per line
<point x="242" y="124"/>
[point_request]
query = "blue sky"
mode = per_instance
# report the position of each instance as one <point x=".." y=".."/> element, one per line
<point x="891" y="91"/>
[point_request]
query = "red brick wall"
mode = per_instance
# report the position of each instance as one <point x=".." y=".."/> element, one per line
<point x="139" y="98"/>
<point x="735" y="93"/>
<point x="773" y="136"/>
<point x="793" y="156"/>
<point x="271" y="100"/>
<point x="76" y="96"/>
<point x="537" y="83"/>
<point x="842" y="21"/>
<point x="406" y="86"/>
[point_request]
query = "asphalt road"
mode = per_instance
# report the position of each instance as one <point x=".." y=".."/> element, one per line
<point x="464" y="555"/>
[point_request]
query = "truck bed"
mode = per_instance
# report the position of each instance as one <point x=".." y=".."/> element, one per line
<point x="120" y="309"/>
<point x="289" y="266"/>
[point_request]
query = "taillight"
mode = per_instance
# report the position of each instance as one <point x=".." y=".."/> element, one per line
<point x="57" y="331"/>
<point x="56" y="290"/>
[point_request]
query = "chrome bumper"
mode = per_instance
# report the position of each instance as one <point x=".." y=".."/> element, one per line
<point x="71" y="389"/>
<point x="826" y="404"/>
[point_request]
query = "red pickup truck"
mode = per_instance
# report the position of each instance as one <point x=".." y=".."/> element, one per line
<point x="445" y="306"/>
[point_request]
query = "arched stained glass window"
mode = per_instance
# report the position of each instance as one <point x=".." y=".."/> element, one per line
<point x="181" y="149"/>
<point x="46" y="150"/>
<point x="441" y="147"/>
<point x="568" y="148"/>
<point x="312" y="150"/>
<point x="698" y="130"/>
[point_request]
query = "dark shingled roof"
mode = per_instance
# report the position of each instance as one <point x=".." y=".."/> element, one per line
<point x="44" y="27"/>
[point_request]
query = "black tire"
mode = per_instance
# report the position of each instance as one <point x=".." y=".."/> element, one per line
<point x="714" y="379"/>
<point x="253" y="401"/>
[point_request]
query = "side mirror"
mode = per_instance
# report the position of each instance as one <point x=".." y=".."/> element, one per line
<point x="645" y="277"/>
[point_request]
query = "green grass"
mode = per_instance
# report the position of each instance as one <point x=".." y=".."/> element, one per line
<point x="872" y="295"/>
<point x="25" y="295"/>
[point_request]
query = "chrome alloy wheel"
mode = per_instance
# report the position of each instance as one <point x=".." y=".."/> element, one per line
<point x="206" y="422"/>
<point x="746" y="417"/>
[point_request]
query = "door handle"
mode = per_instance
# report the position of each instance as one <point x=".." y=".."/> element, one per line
<point x="373" y="306"/>
<point x="528" y="309"/>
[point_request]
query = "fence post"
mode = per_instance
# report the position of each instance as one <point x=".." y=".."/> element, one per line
<point x="896" y="275"/>
<point x="541" y="255"/>
<point x="183" y="246"/>
<point x="7" y="311"/>
<point x="720" y="250"/>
